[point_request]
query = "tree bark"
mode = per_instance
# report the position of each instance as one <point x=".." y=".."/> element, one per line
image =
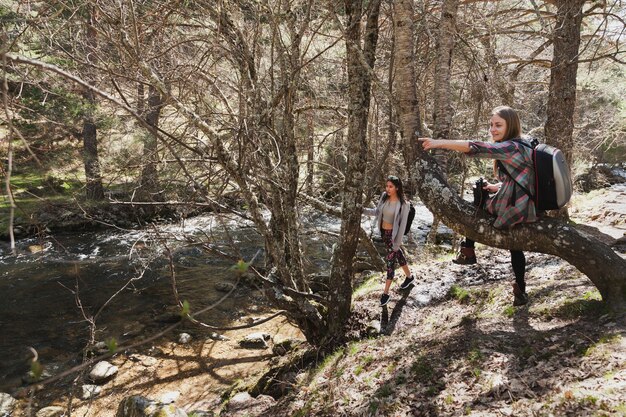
<point x="359" y="86"/>
<point x="93" y="176"/>
<point x="596" y="260"/>
<point x="442" y="115"/>
<point x="149" y="176"/>
<point x="562" y="94"/>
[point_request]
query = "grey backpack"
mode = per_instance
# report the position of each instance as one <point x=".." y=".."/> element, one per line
<point x="553" y="183"/>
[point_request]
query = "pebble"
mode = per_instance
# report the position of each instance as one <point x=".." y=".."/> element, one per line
<point x="102" y="371"/>
<point x="90" y="391"/>
<point x="184" y="338"/>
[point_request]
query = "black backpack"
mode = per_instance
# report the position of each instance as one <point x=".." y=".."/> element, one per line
<point x="409" y="220"/>
<point x="553" y="184"/>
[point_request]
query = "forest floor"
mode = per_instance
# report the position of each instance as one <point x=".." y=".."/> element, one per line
<point x="467" y="352"/>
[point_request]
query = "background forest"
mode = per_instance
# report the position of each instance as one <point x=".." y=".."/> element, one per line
<point x="139" y="111"/>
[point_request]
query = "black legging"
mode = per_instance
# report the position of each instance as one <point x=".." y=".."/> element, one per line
<point x="518" y="261"/>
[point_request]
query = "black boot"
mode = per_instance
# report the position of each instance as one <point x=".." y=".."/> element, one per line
<point x="466" y="256"/>
<point x="519" y="298"/>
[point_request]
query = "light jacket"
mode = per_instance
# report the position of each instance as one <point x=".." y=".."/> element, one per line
<point x="399" y="219"/>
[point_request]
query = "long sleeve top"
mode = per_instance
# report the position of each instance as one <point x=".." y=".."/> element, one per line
<point x="399" y="220"/>
<point x="510" y="204"/>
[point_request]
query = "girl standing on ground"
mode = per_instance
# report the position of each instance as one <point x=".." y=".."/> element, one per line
<point x="391" y="214"/>
<point x="511" y="205"/>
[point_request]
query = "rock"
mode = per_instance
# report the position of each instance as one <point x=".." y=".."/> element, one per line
<point x="184" y="338"/>
<point x="102" y="372"/>
<point x="100" y="348"/>
<point x="169" y="397"/>
<point x="373" y="328"/>
<point x="256" y="340"/>
<point x="35" y="248"/>
<point x="7" y="403"/>
<point x="217" y="336"/>
<point x="53" y="411"/>
<point x="224" y="286"/>
<point x="284" y="346"/>
<point x="90" y="391"/>
<point x="146" y="361"/>
<point x="243" y="403"/>
<point x="138" y="406"/>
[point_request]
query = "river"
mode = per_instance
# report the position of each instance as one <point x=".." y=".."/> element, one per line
<point x="45" y="286"/>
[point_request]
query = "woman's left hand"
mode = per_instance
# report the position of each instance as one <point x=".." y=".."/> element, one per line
<point x="492" y="188"/>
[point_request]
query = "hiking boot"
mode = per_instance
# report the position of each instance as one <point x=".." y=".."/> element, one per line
<point x="519" y="298"/>
<point x="384" y="299"/>
<point x="407" y="282"/>
<point x="466" y="256"/>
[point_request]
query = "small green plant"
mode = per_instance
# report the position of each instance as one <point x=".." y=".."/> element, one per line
<point x="509" y="311"/>
<point x="475" y="355"/>
<point x="605" y="339"/>
<point x="460" y="294"/>
<point x="353" y="349"/>
<point x="111" y="345"/>
<point x="373" y="407"/>
<point x="476" y="372"/>
<point x="449" y="399"/>
<point x="185" y="309"/>
<point x="368" y="359"/>
<point x="358" y="370"/>
<point x="422" y="369"/>
<point x="369" y="285"/>
<point x="331" y="359"/>
<point x="385" y="391"/>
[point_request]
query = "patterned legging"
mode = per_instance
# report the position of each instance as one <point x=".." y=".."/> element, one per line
<point x="392" y="255"/>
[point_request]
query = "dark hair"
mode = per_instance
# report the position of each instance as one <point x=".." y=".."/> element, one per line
<point x="513" y="125"/>
<point x="398" y="184"/>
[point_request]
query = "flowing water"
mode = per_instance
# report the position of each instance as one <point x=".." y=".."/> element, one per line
<point x="45" y="286"/>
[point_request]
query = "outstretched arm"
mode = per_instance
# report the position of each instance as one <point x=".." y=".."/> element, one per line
<point x="452" y="145"/>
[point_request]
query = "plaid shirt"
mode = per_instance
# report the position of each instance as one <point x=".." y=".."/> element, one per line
<point x="510" y="204"/>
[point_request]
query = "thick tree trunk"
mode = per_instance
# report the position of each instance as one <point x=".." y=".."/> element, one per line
<point x="442" y="117"/>
<point x="599" y="262"/>
<point x="359" y="81"/>
<point x="562" y="95"/>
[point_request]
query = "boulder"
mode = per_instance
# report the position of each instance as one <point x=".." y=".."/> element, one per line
<point x="7" y="403"/>
<point x="256" y="340"/>
<point x="102" y="372"/>
<point x="138" y="406"/>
